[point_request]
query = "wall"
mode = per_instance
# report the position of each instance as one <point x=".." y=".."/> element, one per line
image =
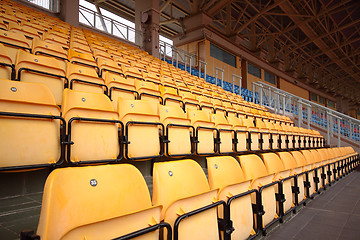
<point x="292" y="88"/>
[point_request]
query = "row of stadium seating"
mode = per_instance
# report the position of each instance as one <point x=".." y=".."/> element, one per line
<point x="242" y="197"/>
<point x="94" y="131"/>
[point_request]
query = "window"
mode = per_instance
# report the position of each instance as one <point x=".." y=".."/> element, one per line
<point x="313" y="97"/>
<point x="331" y="104"/>
<point x="222" y="55"/>
<point x="321" y="100"/>
<point x="269" y="78"/>
<point x="253" y="70"/>
<point x="52" y="5"/>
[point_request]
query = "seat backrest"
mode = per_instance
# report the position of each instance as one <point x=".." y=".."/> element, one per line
<point x="175" y="180"/>
<point x="78" y="196"/>
<point x="299" y="158"/>
<point x="29" y="141"/>
<point x="253" y="167"/>
<point x="199" y="118"/>
<point x="273" y="163"/>
<point x="308" y="156"/>
<point x="288" y="160"/>
<point x="224" y="171"/>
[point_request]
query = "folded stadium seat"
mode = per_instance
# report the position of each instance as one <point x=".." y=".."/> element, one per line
<point x="239" y="110"/>
<point x="39" y="28"/>
<point x="7" y="69"/>
<point x="325" y="161"/>
<point x="218" y="105"/>
<point x="148" y="91"/>
<point x="143" y="130"/>
<point x="354" y="161"/>
<point x="80" y="47"/>
<point x="152" y="77"/>
<point x="225" y="133"/>
<point x="305" y="167"/>
<point x="314" y="171"/>
<point x="291" y="136"/>
<point x="98" y="54"/>
<point x="274" y="165"/>
<point x="123" y="62"/>
<point x="92" y="127"/>
<point x="347" y="155"/>
<point x="189" y="99"/>
<point x="29" y="32"/>
<point x="32" y="120"/>
<point x="254" y="136"/>
<point x="205" y="103"/>
<point x="181" y="188"/>
<point x="340" y="162"/>
<point x="205" y="132"/>
<point x="254" y="169"/>
<point x="5" y="19"/>
<point x="283" y="137"/>
<point x="275" y="142"/>
<point x="82" y="59"/>
<point x="332" y="161"/>
<point x="318" y="139"/>
<point x="41" y="69"/>
<point x="241" y="133"/>
<point x="94" y="197"/>
<point x="266" y="142"/>
<point x="170" y="96"/>
<point x="230" y="110"/>
<point x="85" y="79"/>
<point x="295" y="167"/>
<point x="108" y="65"/>
<point x="320" y="165"/>
<point x="41" y="47"/>
<point x="120" y="87"/>
<point x="139" y="65"/>
<point x="225" y="175"/>
<point x="52" y="38"/>
<point x="132" y="72"/>
<point x="178" y="131"/>
<point x="13" y="41"/>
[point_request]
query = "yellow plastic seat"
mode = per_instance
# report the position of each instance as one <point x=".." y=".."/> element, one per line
<point x="254" y="133"/>
<point x="205" y="104"/>
<point x="225" y="133"/>
<point x="148" y="91"/>
<point x="142" y="124"/>
<point x="180" y="187"/>
<point x="7" y="70"/>
<point x="254" y="169"/>
<point x="225" y="175"/>
<point x="28" y="141"/>
<point x="29" y="32"/>
<point x="83" y="59"/>
<point x="295" y="170"/>
<point x="303" y="164"/>
<point x="85" y="79"/>
<point x="96" y="202"/>
<point x="170" y="96"/>
<point x="41" y="69"/>
<point x="132" y="72"/>
<point x="178" y="131"/>
<point x="120" y="87"/>
<point x="52" y="38"/>
<point x="275" y="166"/>
<point x="275" y="135"/>
<point x="265" y="134"/>
<point x="106" y="65"/>
<point x="189" y="99"/>
<point x="205" y="132"/>
<point x="40" y="47"/>
<point x="314" y="175"/>
<point x="13" y="41"/>
<point x="94" y="140"/>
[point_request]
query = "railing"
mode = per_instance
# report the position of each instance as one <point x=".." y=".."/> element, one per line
<point x="52" y="5"/>
<point x="308" y="112"/>
<point x="177" y="56"/>
<point x="109" y="25"/>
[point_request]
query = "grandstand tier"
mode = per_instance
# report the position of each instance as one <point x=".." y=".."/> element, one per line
<point x="135" y="147"/>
